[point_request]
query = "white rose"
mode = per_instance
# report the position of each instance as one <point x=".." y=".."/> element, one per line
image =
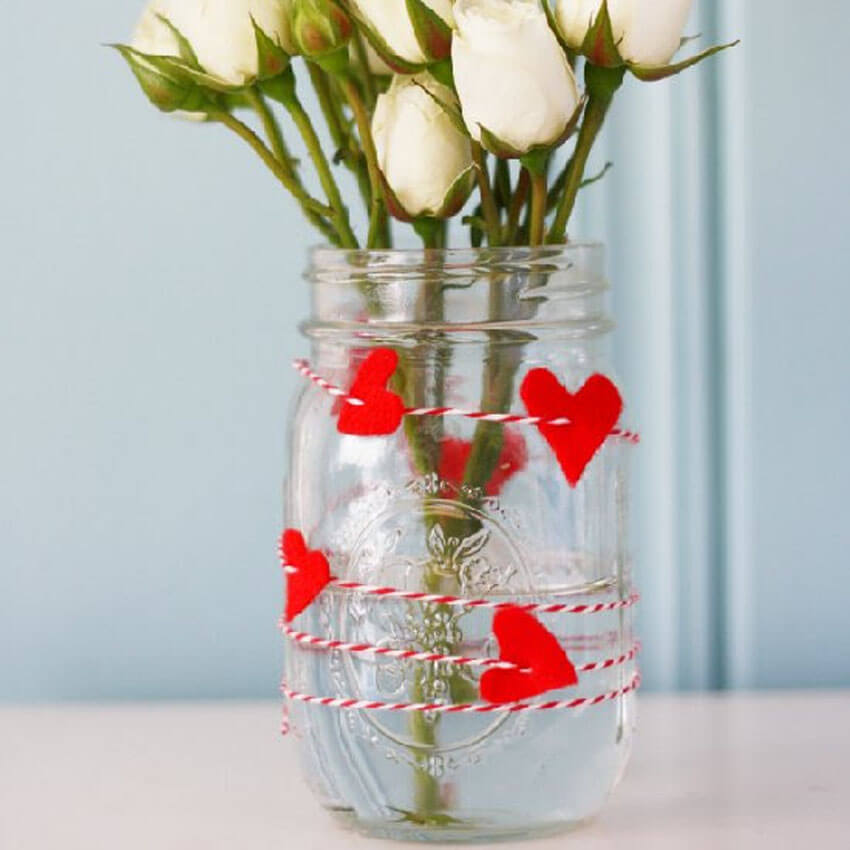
<point x="219" y="31"/>
<point x="647" y="32"/>
<point x="155" y="38"/>
<point x="391" y="21"/>
<point x="511" y="74"/>
<point x="152" y="35"/>
<point x="422" y="154"/>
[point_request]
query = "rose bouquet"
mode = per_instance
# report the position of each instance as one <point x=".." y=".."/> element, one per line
<point x="436" y="109"/>
<point x="423" y="100"/>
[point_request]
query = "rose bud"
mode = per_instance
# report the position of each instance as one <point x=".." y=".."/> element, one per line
<point x="645" y="32"/>
<point x="516" y="87"/>
<point x="153" y="37"/>
<point x="407" y="33"/>
<point x="220" y="33"/>
<point x="424" y="157"/>
<point x="322" y="31"/>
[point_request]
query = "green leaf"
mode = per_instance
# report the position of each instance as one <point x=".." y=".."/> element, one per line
<point x="272" y="59"/>
<point x="474" y="221"/>
<point x="572" y="123"/>
<point x="504" y="150"/>
<point x="553" y="25"/>
<point x="442" y="72"/>
<point x="458" y="194"/>
<point x="177" y="69"/>
<point x="491" y="142"/>
<point x="602" y="83"/>
<point x="650" y="74"/>
<point x="165" y="91"/>
<point x="187" y="52"/>
<point x="335" y="62"/>
<point x="599" y="46"/>
<point x="432" y="32"/>
<point x="589" y="181"/>
<point x="557" y="187"/>
<point x="536" y="160"/>
<point x="452" y="110"/>
<point x="236" y="100"/>
<point x="280" y="88"/>
<point x="394" y="205"/>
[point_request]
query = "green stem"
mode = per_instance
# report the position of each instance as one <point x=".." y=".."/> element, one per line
<point x="272" y="163"/>
<point x="344" y="142"/>
<point x="271" y="128"/>
<point x="517" y="205"/>
<point x="314" y="147"/>
<point x="538" y="208"/>
<point x="333" y="116"/>
<point x="432" y="232"/>
<point x="377" y="210"/>
<point x="363" y="60"/>
<point x="556" y="189"/>
<point x="502" y="184"/>
<point x="280" y="150"/>
<point x="558" y="186"/>
<point x="594" y="118"/>
<point x="504" y="358"/>
<point x="496" y="396"/>
<point x="488" y="200"/>
<point x="425" y="442"/>
<point x="602" y="84"/>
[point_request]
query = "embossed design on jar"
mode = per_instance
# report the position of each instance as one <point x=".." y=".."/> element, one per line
<point x="471" y="549"/>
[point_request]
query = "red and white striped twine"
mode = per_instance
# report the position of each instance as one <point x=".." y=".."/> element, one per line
<point x="368" y="649"/>
<point x="531" y="607"/>
<point x="303" y="368"/>
<point x="465" y="708"/>
<point x="438" y="599"/>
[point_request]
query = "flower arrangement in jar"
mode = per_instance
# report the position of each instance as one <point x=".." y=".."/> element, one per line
<point x="461" y="662"/>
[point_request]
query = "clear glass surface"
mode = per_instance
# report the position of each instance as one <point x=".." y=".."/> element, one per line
<point x="451" y="505"/>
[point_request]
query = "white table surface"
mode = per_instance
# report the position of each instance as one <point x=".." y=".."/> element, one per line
<point x="739" y="772"/>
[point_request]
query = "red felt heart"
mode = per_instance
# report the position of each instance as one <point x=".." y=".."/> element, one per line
<point x="593" y="411"/>
<point x="382" y="411"/>
<point x="526" y="642"/>
<point x="311" y="573"/>
<point x="455" y="453"/>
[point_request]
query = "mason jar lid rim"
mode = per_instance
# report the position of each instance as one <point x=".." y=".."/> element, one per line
<point x="323" y="249"/>
<point x="325" y="259"/>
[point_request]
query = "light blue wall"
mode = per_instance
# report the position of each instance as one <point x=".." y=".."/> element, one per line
<point x="150" y="287"/>
<point x="731" y="286"/>
<point x="150" y="291"/>
<point x="798" y="225"/>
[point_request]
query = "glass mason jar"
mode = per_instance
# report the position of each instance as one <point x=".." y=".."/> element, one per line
<point x="470" y="509"/>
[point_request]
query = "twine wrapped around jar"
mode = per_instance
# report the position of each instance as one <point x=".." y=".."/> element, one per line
<point x="461" y="656"/>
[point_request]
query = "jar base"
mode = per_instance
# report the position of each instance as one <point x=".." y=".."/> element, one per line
<point x="460" y="832"/>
